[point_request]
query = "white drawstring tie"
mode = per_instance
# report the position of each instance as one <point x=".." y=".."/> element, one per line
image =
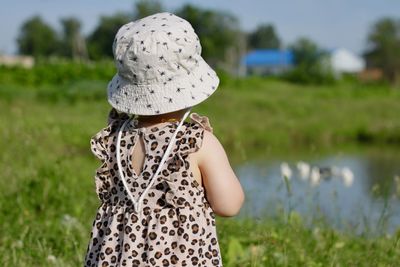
<point x="138" y="204"/>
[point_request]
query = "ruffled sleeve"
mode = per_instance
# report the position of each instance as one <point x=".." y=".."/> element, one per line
<point x="114" y="115"/>
<point x="193" y="138"/>
<point x="98" y="142"/>
<point x="203" y="121"/>
<point x="97" y="146"/>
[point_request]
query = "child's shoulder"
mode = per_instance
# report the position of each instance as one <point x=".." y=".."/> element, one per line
<point x="114" y="116"/>
<point x="100" y="140"/>
<point x="207" y="143"/>
<point x="200" y="121"/>
<point x="197" y="130"/>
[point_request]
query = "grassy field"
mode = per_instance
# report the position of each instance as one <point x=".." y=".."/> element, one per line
<point x="47" y="188"/>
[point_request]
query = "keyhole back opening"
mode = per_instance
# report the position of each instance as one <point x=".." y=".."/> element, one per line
<point x="138" y="155"/>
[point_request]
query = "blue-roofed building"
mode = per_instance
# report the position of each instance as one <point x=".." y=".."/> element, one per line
<point x="267" y="61"/>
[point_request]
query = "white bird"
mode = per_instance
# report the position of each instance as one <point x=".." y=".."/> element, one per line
<point x="347" y="176"/>
<point x="304" y="170"/>
<point x="315" y="176"/>
<point x="285" y="170"/>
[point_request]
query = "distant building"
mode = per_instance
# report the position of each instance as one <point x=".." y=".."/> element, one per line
<point x="274" y="61"/>
<point x="23" y="61"/>
<point x="267" y="61"/>
<point x="345" y="61"/>
<point x="371" y="74"/>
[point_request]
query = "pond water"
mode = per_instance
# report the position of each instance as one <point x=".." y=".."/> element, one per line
<point x="353" y="192"/>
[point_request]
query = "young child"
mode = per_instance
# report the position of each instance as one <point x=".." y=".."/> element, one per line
<point x="162" y="179"/>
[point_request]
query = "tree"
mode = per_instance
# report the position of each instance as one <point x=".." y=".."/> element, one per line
<point x="305" y="51"/>
<point x="101" y="39"/>
<point x="144" y="8"/>
<point x="217" y="30"/>
<point x="74" y="45"/>
<point x="384" y="48"/>
<point x="37" y="38"/>
<point x="265" y="37"/>
<point x="311" y="64"/>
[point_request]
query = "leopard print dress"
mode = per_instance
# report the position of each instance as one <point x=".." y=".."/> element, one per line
<point x="176" y="226"/>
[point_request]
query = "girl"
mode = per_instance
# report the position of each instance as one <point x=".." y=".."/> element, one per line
<point x="162" y="179"/>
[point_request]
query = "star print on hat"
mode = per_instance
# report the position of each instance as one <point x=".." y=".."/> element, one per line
<point x="160" y="68"/>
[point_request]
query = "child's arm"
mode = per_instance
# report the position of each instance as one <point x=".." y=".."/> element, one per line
<point x="223" y="188"/>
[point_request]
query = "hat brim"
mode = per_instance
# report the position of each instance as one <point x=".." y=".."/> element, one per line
<point x="182" y="92"/>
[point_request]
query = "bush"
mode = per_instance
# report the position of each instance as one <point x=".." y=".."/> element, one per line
<point x="315" y="74"/>
<point x="57" y="72"/>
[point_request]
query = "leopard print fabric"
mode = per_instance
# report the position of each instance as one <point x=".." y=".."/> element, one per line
<point x="177" y="225"/>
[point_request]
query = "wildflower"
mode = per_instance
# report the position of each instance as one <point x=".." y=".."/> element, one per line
<point x="304" y="169"/>
<point x="69" y="222"/>
<point x="339" y="244"/>
<point x="18" y="243"/>
<point x="51" y="258"/>
<point x="347" y="176"/>
<point x="315" y="176"/>
<point x="285" y="170"/>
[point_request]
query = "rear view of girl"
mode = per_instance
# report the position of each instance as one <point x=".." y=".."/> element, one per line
<point x="162" y="179"/>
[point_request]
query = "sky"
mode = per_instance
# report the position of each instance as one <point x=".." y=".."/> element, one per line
<point x="330" y="23"/>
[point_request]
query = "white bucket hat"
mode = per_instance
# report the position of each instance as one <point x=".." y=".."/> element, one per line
<point x="160" y="68"/>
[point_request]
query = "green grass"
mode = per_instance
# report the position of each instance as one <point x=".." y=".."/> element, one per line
<point x="260" y="116"/>
<point x="47" y="194"/>
<point x="275" y="243"/>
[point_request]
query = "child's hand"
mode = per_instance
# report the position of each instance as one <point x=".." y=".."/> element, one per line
<point x="223" y="188"/>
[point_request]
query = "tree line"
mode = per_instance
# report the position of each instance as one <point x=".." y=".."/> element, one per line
<point x="224" y="43"/>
